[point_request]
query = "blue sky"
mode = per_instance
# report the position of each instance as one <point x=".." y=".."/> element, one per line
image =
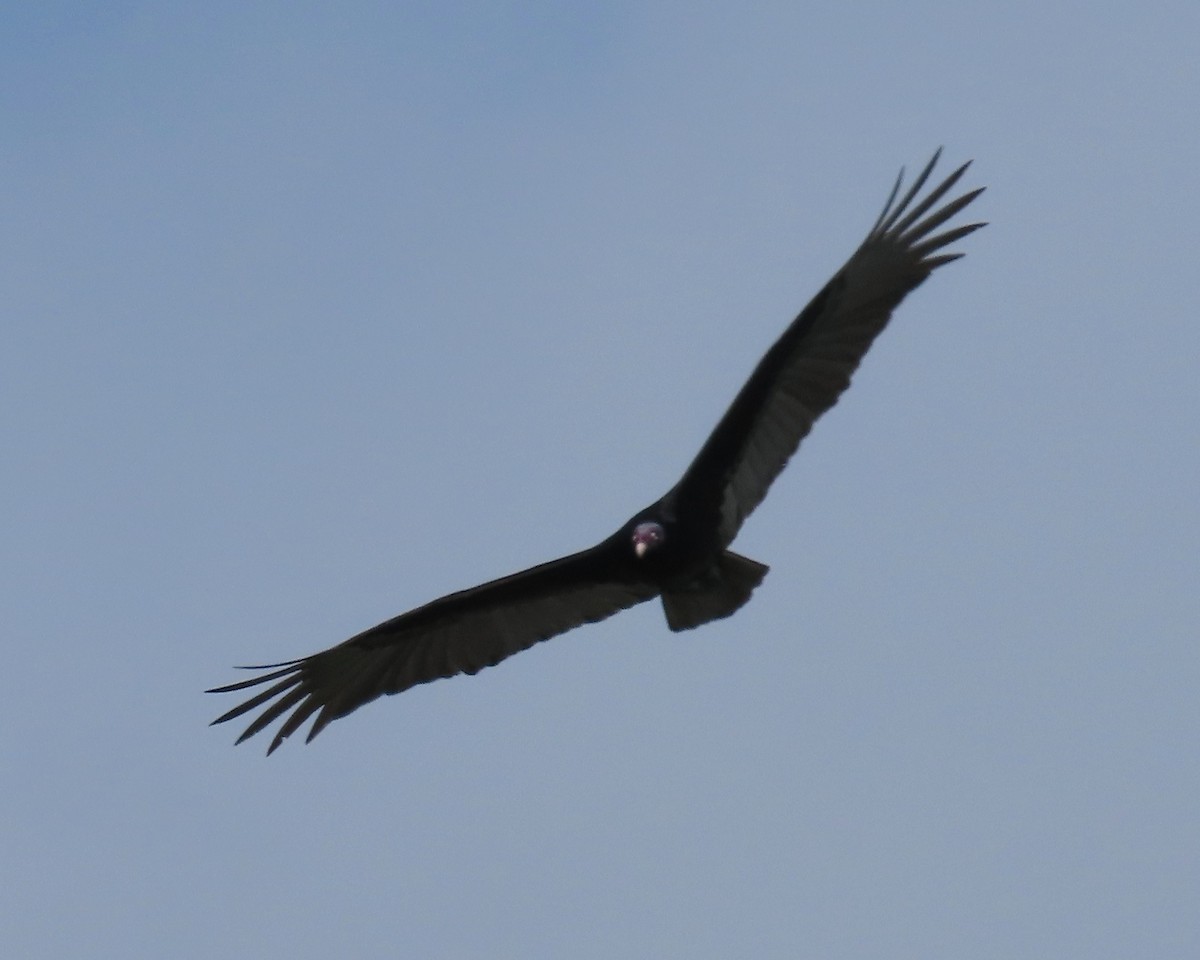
<point x="313" y="314"/>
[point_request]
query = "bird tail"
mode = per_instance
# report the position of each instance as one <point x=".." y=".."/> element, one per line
<point x="729" y="586"/>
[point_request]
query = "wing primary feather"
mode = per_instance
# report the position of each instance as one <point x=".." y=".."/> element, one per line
<point x="255" y="701"/>
<point x="944" y="239"/>
<point x="932" y="263"/>
<point x="324" y="718"/>
<point x="935" y="220"/>
<point x="890" y="223"/>
<point x="274" y="711"/>
<point x="295" y="721"/>
<point x="255" y="681"/>
<point x="887" y="207"/>
<point x="934" y="196"/>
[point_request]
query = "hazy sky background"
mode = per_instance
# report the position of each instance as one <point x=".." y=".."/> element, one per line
<point x="314" y="312"/>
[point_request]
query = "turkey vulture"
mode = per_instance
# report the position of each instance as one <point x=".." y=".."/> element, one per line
<point x="677" y="548"/>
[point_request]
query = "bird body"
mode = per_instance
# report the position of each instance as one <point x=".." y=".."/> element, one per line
<point x="678" y="547"/>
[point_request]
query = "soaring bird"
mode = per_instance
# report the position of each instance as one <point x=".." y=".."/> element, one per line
<point x="678" y="547"/>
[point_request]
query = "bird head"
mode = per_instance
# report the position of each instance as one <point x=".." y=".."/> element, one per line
<point x="647" y="536"/>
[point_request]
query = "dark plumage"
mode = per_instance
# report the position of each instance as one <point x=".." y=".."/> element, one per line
<point x="677" y="548"/>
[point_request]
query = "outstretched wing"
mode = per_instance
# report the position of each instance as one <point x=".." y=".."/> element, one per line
<point x="809" y="367"/>
<point x="460" y="633"/>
